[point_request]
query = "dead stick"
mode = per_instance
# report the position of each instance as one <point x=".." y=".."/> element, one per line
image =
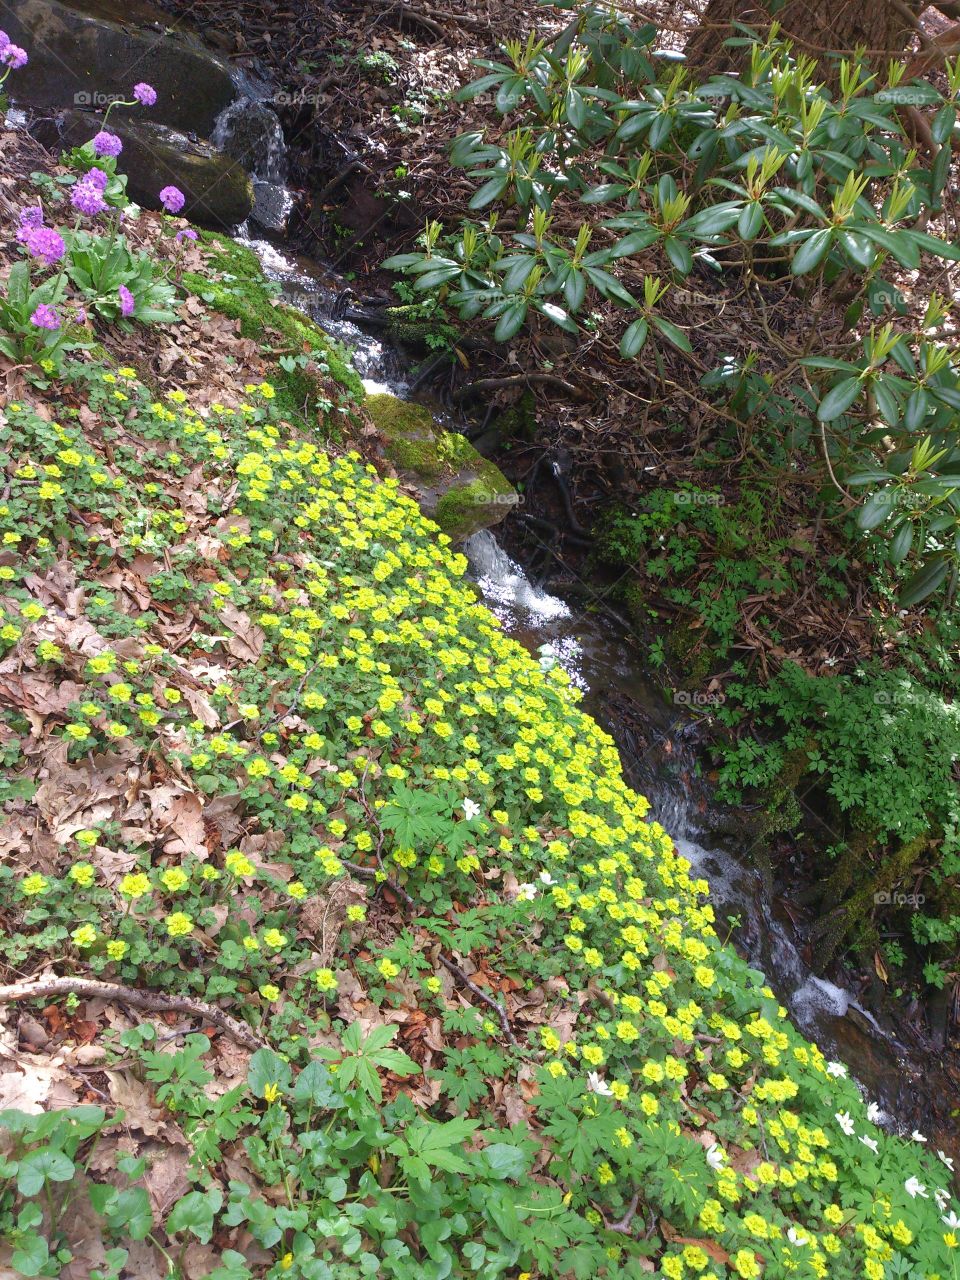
<point x="154" y="1001"/>
<point x="448" y="964"/>
<point x="498" y="1008"/>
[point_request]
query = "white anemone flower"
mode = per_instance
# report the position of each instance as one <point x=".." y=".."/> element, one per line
<point x="844" y="1120"/>
<point x="597" y="1084"/>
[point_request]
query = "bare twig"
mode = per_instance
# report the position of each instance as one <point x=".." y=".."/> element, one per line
<point x="495" y="1005"/>
<point x="154" y="1001"/>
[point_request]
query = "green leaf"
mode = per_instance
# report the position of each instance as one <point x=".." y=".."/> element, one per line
<point x="838" y="399"/>
<point x="511" y="322"/>
<point x="266" y="1067"/>
<point x="887" y="401"/>
<point x="195" y="1213"/>
<point x="491" y="190"/>
<point x="750" y="221"/>
<point x="812" y="252"/>
<point x="30" y="1256"/>
<point x="877" y="509"/>
<point x="558" y="316"/>
<point x="315" y="1085"/>
<point x="672" y="333"/>
<point x="901" y="542"/>
<point x="679" y="254"/>
<point x="18" y="283"/>
<point x="925" y="582"/>
<point x="41" y="1166"/>
<point x="634" y="338"/>
<point x="504" y="1160"/>
<point x="575" y="109"/>
<point x="933" y="244"/>
<point x="635" y="242"/>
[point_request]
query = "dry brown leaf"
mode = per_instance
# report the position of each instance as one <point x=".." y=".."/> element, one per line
<point x="167" y="1177"/>
<point x="247" y="640"/>
<point x="139" y="1109"/>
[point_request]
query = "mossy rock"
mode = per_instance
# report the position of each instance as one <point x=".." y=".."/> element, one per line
<point x="240" y="290"/>
<point x="457" y="487"/>
<point x="217" y="191"/>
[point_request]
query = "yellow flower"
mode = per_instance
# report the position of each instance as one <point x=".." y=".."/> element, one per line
<point x="178" y="924"/>
<point x="134" y="885"/>
<point x="34" y="885"/>
<point x="84" y="936"/>
<point x="325" y="979"/>
<point x="275" y="939"/>
<point x="270" y="992"/>
<point x="82" y="874"/>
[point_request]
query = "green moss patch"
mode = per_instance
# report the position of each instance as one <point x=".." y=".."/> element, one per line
<point x="458" y="487"/>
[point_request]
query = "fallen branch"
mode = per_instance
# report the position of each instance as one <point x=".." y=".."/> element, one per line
<point x="495" y="1005"/>
<point x="450" y="965"/>
<point x="517" y="379"/>
<point x="153" y="1001"/>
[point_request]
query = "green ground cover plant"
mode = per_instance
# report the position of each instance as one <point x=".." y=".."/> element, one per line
<point x="312" y="784"/>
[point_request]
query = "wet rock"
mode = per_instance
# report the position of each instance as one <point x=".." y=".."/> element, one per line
<point x="455" y="486"/>
<point x="88" y="53"/>
<point x="218" y="191"/>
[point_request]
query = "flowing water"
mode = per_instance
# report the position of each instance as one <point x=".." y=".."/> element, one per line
<point x="657" y="739"/>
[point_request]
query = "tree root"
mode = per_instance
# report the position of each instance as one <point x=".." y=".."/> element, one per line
<point x="154" y="1001"/>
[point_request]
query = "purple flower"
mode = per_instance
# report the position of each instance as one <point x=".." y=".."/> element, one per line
<point x="172" y="199"/>
<point x="145" y="94"/>
<point x="13" y="56"/>
<point x="98" y="178"/>
<point x="30" y="218"/>
<point x="81" y="316"/>
<point x="45" y="317"/>
<point x="187" y="233"/>
<point x="106" y="144"/>
<point x="4" y="40"/>
<point x="45" y="243"/>
<point x="128" y="302"/>
<point x="87" y="197"/>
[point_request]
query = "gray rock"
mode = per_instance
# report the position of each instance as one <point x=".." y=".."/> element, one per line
<point x="87" y="53"/>
<point x="218" y="191"/>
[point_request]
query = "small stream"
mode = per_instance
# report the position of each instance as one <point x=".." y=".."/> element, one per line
<point x="657" y="738"/>
<point x="658" y="746"/>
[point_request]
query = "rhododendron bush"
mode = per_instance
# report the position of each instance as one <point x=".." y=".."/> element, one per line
<point x="376" y="964"/>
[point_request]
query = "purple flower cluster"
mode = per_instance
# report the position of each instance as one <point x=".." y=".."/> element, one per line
<point x="39" y="241"/>
<point x="87" y="194"/>
<point x="45" y="317"/>
<point x="30" y="217"/>
<point x="45" y="243"/>
<point x="145" y="94"/>
<point x="172" y="199"/>
<point x="187" y="233"/>
<point x="11" y="55"/>
<point x="128" y="302"/>
<point x="106" y="144"/>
